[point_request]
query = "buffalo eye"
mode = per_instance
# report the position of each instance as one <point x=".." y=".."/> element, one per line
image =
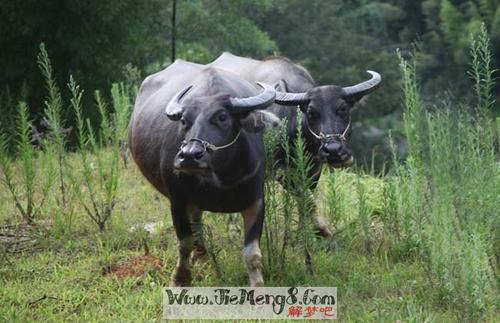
<point x="312" y="114"/>
<point x="342" y="109"/>
<point x="183" y="122"/>
<point x="222" y="117"/>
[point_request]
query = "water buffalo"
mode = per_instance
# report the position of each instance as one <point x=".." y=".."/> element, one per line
<point x="326" y="125"/>
<point x="196" y="135"/>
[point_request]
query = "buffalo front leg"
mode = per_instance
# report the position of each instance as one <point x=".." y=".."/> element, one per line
<point x="200" y="250"/>
<point x="185" y="243"/>
<point x="253" y="218"/>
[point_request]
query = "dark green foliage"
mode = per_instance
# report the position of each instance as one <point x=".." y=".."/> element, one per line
<point x="338" y="40"/>
<point x="445" y="40"/>
<point x="104" y="41"/>
<point x="208" y="28"/>
<point x="91" y="39"/>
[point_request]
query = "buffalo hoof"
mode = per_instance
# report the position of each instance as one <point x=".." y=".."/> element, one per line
<point x="323" y="232"/>
<point x="181" y="278"/>
<point x="199" y="254"/>
<point x="322" y="227"/>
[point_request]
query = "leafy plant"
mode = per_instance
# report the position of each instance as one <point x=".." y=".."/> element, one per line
<point x="457" y="216"/>
<point x="33" y="168"/>
<point x="99" y="157"/>
<point x="56" y="136"/>
<point x="298" y="180"/>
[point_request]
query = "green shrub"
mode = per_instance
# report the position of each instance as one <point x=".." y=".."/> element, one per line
<point x="56" y="144"/>
<point x="450" y="189"/>
<point x="99" y="158"/>
<point x="29" y="181"/>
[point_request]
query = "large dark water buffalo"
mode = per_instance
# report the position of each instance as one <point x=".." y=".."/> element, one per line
<point x="326" y="125"/>
<point x="196" y="135"/>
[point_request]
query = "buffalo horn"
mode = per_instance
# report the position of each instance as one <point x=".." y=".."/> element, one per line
<point x="365" y="87"/>
<point x="259" y="101"/>
<point x="288" y="98"/>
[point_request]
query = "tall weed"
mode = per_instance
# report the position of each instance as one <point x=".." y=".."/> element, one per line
<point x="56" y="143"/>
<point x="457" y="216"/>
<point x="29" y="181"/>
<point x="100" y="156"/>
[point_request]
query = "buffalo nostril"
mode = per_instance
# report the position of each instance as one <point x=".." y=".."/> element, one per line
<point x="198" y="154"/>
<point x="334" y="148"/>
<point x="323" y="152"/>
<point x="191" y="153"/>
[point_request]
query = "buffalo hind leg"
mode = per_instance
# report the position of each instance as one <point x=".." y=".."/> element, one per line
<point x="185" y="243"/>
<point x="200" y="250"/>
<point x="253" y="218"/>
<point x="321" y="224"/>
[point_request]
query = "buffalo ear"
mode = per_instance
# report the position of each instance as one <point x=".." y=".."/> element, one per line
<point x="351" y="100"/>
<point x="281" y="86"/>
<point x="259" y="120"/>
<point x="354" y="101"/>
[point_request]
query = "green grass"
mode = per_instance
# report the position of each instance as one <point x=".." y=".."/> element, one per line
<point x="68" y="266"/>
<point x="70" y="269"/>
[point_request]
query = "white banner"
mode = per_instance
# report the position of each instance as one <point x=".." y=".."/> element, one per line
<point x="318" y="303"/>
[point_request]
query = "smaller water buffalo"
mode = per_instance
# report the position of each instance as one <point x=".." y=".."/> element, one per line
<point x="196" y="135"/>
<point x="326" y="125"/>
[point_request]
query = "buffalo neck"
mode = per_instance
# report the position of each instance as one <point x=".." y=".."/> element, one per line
<point x="245" y="162"/>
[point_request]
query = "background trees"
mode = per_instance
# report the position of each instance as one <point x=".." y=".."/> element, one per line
<point x="336" y="40"/>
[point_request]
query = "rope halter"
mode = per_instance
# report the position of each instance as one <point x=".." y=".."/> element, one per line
<point x="208" y="146"/>
<point x="327" y="137"/>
